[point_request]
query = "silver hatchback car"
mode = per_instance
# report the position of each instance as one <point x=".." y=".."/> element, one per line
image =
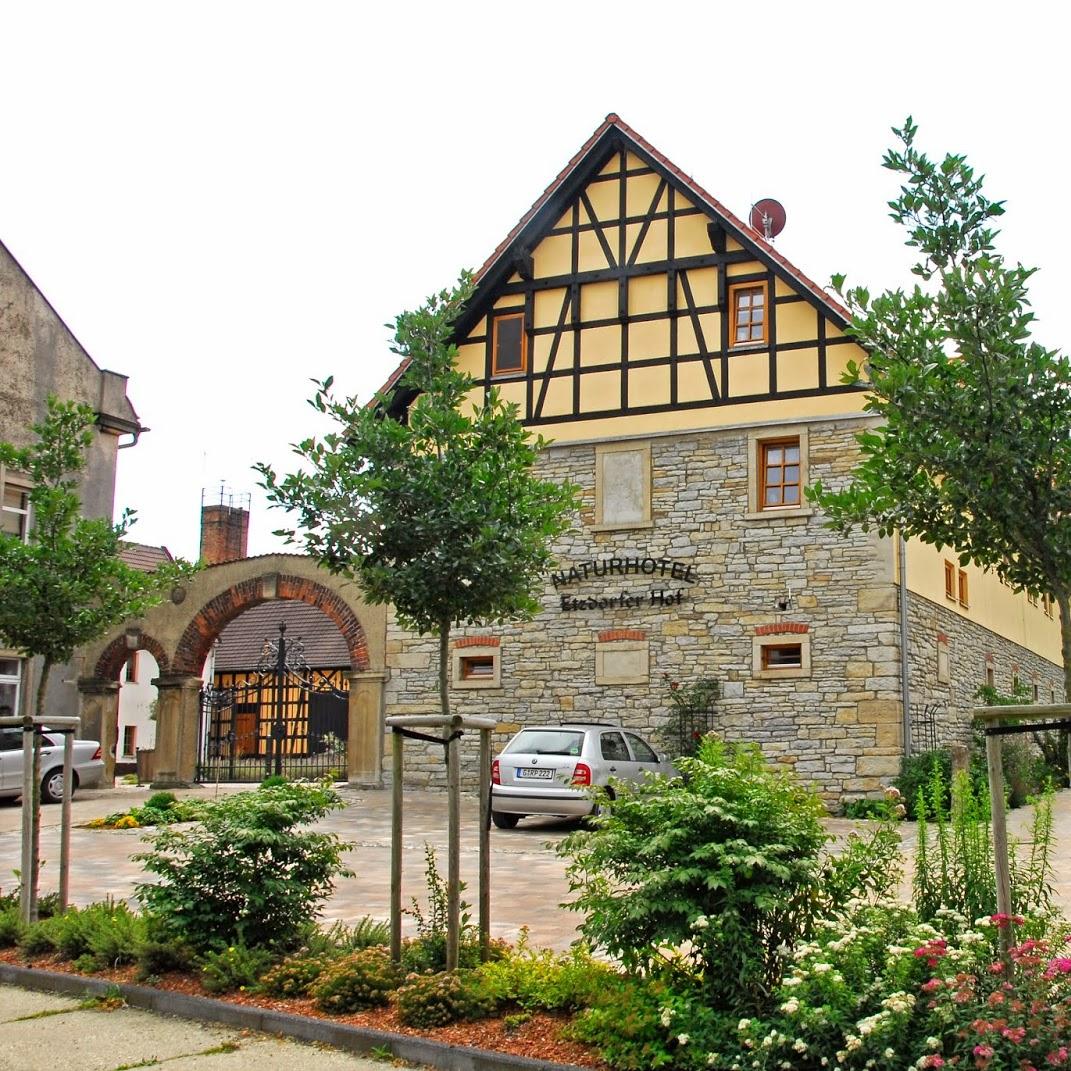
<point x="87" y="760"/>
<point x="548" y="769"/>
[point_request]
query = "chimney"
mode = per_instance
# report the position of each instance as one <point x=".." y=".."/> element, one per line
<point x="224" y="529"/>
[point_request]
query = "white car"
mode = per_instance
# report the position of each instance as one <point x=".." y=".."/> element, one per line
<point x="548" y="770"/>
<point x="87" y="761"/>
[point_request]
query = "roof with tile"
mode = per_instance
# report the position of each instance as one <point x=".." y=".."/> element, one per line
<point x="143" y="557"/>
<point x="242" y="641"/>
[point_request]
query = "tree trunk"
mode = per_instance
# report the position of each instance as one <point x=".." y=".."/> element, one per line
<point x="1065" y="641"/>
<point x="444" y="668"/>
<point x="453" y="820"/>
<point x="34" y="876"/>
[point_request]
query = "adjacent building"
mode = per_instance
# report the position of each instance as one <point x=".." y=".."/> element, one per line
<point x="691" y="381"/>
<point x="40" y="356"/>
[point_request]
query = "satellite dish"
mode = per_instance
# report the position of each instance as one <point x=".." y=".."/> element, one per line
<point x="767" y="218"/>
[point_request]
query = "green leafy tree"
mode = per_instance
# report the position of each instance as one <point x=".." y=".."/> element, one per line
<point x="440" y="514"/>
<point x="66" y="584"/>
<point x="973" y="450"/>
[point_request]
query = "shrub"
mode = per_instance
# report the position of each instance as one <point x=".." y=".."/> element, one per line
<point x="626" y="1026"/>
<point x="360" y="980"/>
<point x="39" y="938"/>
<point x="542" y="979"/>
<point x="246" y="875"/>
<point x="294" y="976"/>
<point x="882" y="990"/>
<point x="726" y="860"/>
<point x="339" y="938"/>
<point x="234" y="967"/>
<point x="161" y="801"/>
<point x="427" y="951"/>
<point x="428" y="1000"/>
<point x="158" y="954"/>
<point x="954" y="862"/>
<point x="10" y="926"/>
<point x="101" y="935"/>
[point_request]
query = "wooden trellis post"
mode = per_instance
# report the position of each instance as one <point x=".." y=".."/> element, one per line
<point x="993" y="720"/>
<point x="452" y="729"/>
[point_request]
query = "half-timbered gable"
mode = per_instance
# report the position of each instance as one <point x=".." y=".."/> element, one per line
<point x="628" y="295"/>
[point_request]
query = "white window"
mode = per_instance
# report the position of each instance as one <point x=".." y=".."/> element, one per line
<point x="14" y="506"/>
<point x="10" y="678"/>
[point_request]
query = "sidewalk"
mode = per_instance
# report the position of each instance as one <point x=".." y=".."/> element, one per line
<point x="40" y="1031"/>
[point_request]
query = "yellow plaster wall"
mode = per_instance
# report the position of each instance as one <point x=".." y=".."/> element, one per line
<point x="992" y="604"/>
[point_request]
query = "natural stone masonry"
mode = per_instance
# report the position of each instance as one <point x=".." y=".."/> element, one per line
<point x="971" y="648"/>
<point x="840" y="727"/>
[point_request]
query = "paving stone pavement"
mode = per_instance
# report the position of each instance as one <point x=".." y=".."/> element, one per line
<point x="528" y="881"/>
<point x="38" y="1031"/>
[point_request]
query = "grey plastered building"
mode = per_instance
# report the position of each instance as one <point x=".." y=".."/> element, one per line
<point x="40" y="356"/>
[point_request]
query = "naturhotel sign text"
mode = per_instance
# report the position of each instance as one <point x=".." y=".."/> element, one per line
<point x="661" y="570"/>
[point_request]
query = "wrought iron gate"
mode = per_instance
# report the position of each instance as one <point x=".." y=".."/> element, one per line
<point x="284" y="718"/>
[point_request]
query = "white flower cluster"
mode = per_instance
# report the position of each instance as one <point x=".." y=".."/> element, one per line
<point x="701" y="923"/>
<point x="899" y="1003"/>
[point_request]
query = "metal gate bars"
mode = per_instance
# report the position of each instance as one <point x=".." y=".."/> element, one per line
<point x="282" y="718"/>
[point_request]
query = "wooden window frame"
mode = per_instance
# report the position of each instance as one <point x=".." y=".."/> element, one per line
<point x="756" y="471"/>
<point x="735" y="291"/>
<point x="768" y="647"/>
<point x="495" y="370"/>
<point x="130" y="733"/>
<point x="769" y="444"/>
<point x="760" y="658"/>
<point x="465" y="656"/>
<point x="950" y="580"/>
<point x="990" y="676"/>
<point x="25" y="512"/>
<point x="963" y="589"/>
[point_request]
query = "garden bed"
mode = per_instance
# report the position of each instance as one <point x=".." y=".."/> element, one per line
<point x="538" y="1040"/>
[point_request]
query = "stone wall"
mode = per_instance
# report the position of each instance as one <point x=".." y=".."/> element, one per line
<point x="971" y="648"/>
<point x="840" y="727"/>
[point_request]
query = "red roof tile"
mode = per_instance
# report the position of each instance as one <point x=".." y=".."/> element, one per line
<point x="143" y="557"/>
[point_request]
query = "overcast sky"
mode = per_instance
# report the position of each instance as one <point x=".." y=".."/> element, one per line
<point x="223" y="200"/>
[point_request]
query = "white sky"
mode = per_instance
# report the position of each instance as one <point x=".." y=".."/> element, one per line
<point x="225" y="199"/>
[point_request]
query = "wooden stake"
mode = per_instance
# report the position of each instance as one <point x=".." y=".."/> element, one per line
<point x="485" y="844"/>
<point x="1000" y="832"/>
<point x="65" y="820"/>
<point x="26" y="904"/>
<point x="453" y="847"/>
<point x="396" y="849"/>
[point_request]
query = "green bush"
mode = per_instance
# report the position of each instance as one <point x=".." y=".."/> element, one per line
<point x="427" y="951"/>
<point x="360" y="980"/>
<point x="429" y="1000"/>
<point x="538" y="979"/>
<point x="10" y="926"/>
<point x="726" y="859"/>
<point x="39" y="938"/>
<point x="161" y="801"/>
<point x="98" y="936"/>
<point x="234" y="967"/>
<point x="160" y="954"/>
<point x="626" y="1026"/>
<point x="339" y="938"/>
<point x="294" y="976"/>
<point x="247" y="875"/>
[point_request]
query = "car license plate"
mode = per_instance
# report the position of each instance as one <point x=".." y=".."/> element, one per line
<point x="526" y="773"/>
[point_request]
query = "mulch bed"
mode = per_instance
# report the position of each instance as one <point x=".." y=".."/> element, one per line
<point x="539" y="1037"/>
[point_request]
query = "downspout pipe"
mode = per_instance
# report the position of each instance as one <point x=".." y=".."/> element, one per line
<point x="905" y="637"/>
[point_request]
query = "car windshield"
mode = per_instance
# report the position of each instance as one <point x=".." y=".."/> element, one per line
<point x="546" y="742"/>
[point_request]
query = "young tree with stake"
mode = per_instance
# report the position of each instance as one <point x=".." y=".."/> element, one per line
<point x="66" y="584"/>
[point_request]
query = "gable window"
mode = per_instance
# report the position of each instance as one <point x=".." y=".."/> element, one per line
<point x="509" y="350"/>
<point x="748" y="305"/>
<point x="780" y="465"/>
<point x="950" y="581"/>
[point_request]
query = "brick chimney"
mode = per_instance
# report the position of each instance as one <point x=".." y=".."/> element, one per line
<point x="224" y="532"/>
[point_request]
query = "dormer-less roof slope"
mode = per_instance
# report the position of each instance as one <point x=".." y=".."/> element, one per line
<point x="611" y="135"/>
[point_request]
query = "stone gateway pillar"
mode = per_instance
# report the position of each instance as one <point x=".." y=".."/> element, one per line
<point x="364" y="745"/>
<point x="177" y="710"/>
<point x="99" y="710"/>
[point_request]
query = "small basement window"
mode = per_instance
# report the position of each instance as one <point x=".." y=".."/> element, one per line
<point x="477" y="667"/>
<point x="508" y="345"/>
<point x="748" y="304"/>
<point x="782" y="656"/>
<point x="778" y="657"/>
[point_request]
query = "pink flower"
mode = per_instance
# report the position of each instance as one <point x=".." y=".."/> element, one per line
<point x="1060" y="965"/>
<point x="982" y="1055"/>
<point x="931" y="985"/>
<point x="995" y="999"/>
<point x="996" y="967"/>
<point x="934" y="1061"/>
<point x="1014" y="1034"/>
<point x="1058" y="1057"/>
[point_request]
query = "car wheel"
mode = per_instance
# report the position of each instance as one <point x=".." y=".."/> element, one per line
<point x="502" y="820"/>
<point x="52" y="786"/>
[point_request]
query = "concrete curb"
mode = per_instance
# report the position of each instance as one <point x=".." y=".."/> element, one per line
<point x="243" y="1016"/>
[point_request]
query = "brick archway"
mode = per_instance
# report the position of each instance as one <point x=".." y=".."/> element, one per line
<point x="113" y="656"/>
<point x="210" y="620"/>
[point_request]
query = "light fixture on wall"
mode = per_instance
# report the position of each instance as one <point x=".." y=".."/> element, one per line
<point x="133" y="637"/>
<point x="784" y="602"/>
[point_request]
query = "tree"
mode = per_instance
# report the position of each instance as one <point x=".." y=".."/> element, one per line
<point x="440" y="514"/>
<point x="65" y="585"/>
<point x="974" y="447"/>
